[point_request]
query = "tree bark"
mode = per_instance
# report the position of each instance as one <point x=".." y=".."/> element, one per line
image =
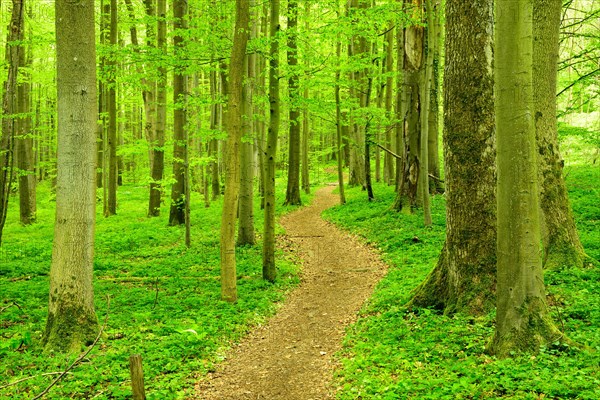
<point x="269" y="267"/>
<point x="562" y="247"/>
<point x="158" y="151"/>
<point x="522" y="319"/>
<point x="72" y="319"/>
<point x="111" y="158"/>
<point x="464" y="277"/>
<point x="388" y="160"/>
<point x="9" y="106"/>
<point x="435" y="185"/>
<point x="338" y="125"/>
<point x="180" y="141"/>
<point x="24" y="147"/>
<point x="292" y="196"/>
<point x="232" y="153"/>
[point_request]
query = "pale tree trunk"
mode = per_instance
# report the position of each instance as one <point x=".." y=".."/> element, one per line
<point x="72" y="320"/>
<point x="292" y="196"/>
<point x="523" y="323"/>
<point x="269" y="268"/>
<point x="562" y="247"/>
<point x="338" y="125"/>
<point x="213" y="144"/>
<point x="101" y="141"/>
<point x="9" y="107"/>
<point x="180" y="141"/>
<point x="246" y="234"/>
<point x="425" y="103"/>
<point x="388" y="160"/>
<point x="24" y="148"/>
<point x="463" y="279"/>
<point x="232" y="153"/>
<point x="111" y="157"/>
<point x="304" y="173"/>
<point x="158" y="151"/>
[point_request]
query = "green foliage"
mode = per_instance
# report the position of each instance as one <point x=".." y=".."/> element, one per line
<point x="397" y="353"/>
<point x="164" y="301"/>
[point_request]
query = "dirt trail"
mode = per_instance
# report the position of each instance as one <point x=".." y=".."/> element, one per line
<point x="290" y="357"/>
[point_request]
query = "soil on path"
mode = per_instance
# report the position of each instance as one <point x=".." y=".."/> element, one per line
<point x="290" y="357"/>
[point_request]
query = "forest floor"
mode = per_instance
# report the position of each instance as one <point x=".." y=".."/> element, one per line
<point x="291" y="355"/>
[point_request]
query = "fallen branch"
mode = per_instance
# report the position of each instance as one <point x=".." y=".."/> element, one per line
<point x="81" y="357"/>
<point x="9" y="306"/>
<point x="28" y="378"/>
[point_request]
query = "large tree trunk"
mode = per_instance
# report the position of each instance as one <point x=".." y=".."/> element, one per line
<point x="158" y="151"/>
<point x="269" y="268"/>
<point x="111" y="158"/>
<point x="463" y="279"/>
<point x="72" y="319"/>
<point x="562" y="247"/>
<point x="232" y="153"/>
<point x="292" y="196"/>
<point x="9" y="106"/>
<point x="522" y="319"/>
<point x="180" y="142"/>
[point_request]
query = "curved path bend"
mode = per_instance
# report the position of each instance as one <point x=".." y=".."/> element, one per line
<point x="290" y="357"/>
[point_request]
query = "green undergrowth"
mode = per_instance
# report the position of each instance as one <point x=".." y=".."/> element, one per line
<point x="164" y="300"/>
<point x="392" y="352"/>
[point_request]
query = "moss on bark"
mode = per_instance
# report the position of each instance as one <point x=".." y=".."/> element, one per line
<point x="69" y="329"/>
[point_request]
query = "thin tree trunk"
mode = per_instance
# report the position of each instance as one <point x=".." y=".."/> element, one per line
<point x="388" y="160"/>
<point x="111" y="203"/>
<point x="426" y="97"/>
<point x="158" y="158"/>
<point x="9" y="106"/>
<point x="338" y="125"/>
<point x="232" y="154"/>
<point x="292" y="196"/>
<point x="269" y="268"/>
<point x="433" y="158"/>
<point x="180" y="141"/>
<point x="72" y="320"/>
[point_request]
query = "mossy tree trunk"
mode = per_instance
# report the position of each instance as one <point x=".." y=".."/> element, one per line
<point x="522" y="319"/>
<point x="72" y="320"/>
<point x="233" y="123"/>
<point x="463" y="279"/>
<point x="562" y="246"/>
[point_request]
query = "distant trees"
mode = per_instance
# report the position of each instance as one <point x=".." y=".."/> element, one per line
<point x="72" y="320"/>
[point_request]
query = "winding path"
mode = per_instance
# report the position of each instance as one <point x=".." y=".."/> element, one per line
<point x="290" y="357"/>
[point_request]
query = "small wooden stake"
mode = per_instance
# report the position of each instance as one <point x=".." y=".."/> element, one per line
<point x="137" y="377"/>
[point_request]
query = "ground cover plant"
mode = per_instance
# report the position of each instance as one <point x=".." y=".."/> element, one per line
<point x="395" y="352"/>
<point x="164" y="301"/>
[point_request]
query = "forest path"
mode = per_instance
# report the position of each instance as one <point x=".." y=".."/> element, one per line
<point x="290" y="357"/>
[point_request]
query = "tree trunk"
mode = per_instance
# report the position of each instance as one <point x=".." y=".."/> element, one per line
<point x="180" y="141"/>
<point x="463" y="279"/>
<point x="338" y="120"/>
<point x="72" y="319"/>
<point x="269" y="268"/>
<point x="426" y="97"/>
<point x="9" y="106"/>
<point x="522" y="319"/>
<point x="24" y="148"/>
<point x="562" y="247"/>
<point x="213" y="144"/>
<point x="292" y="196"/>
<point x="388" y="160"/>
<point x="433" y="158"/>
<point x="246" y="209"/>
<point x="232" y="153"/>
<point x="158" y="158"/>
<point x="111" y="203"/>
